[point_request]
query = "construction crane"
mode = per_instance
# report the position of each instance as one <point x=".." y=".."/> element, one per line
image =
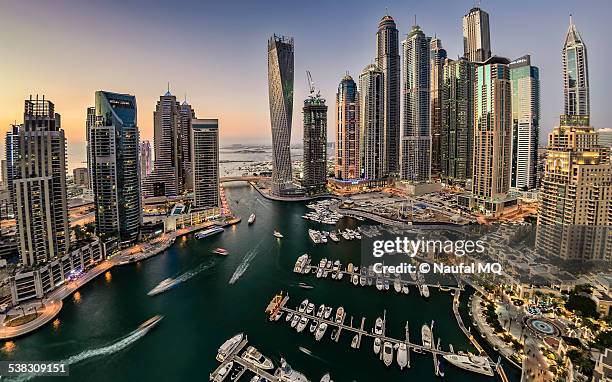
<point x="311" y="87"/>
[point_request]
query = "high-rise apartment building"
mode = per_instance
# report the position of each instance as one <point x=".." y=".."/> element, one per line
<point x="347" y="130"/>
<point x="12" y="153"/>
<point x="39" y="178"/>
<point x="205" y="163"/>
<point x="476" y="36"/>
<point x="113" y="150"/>
<point x="575" y="73"/>
<point x="280" y="92"/>
<point x="145" y="160"/>
<point x="80" y="176"/>
<point x="186" y="114"/>
<point x="372" y="147"/>
<point x="90" y="121"/>
<point x="315" y="144"/>
<point x="457" y="133"/>
<point x="525" y="86"/>
<point x="605" y="137"/>
<point x="437" y="58"/>
<point x="388" y="61"/>
<point x="3" y="175"/>
<point x="416" y="138"/>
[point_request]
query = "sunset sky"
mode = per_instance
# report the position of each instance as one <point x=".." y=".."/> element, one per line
<point x="215" y="52"/>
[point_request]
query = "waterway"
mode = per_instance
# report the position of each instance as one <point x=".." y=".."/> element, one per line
<point x="221" y="296"/>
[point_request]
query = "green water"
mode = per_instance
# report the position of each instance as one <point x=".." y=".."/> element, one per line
<point x="96" y="331"/>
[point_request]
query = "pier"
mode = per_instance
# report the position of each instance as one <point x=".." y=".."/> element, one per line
<point x="234" y="357"/>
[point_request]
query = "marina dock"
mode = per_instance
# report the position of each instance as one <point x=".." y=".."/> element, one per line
<point x="234" y="357"/>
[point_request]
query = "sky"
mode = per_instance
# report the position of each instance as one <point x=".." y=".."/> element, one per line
<point x="215" y="53"/>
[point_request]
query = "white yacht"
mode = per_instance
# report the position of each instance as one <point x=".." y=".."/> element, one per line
<point x="377" y="345"/>
<point x="334" y="237"/>
<point x="320" y="331"/>
<point x="209" y="232"/>
<point x="349" y="268"/>
<point x="286" y="374"/>
<point x="278" y="234"/>
<point x="379" y="284"/>
<point x="326" y="378"/>
<point x="426" y="335"/>
<point x="303" y="306"/>
<point x="295" y="320"/>
<point x="289" y="316"/>
<point x="163" y="286"/>
<point x="320" y="310"/>
<point x="405" y="289"/>
<point x="315" y="236"/>
<point x="228" y="346"/>
<point x="378" y="328"/>
<point x="255" y="358"/>
<point x="340" y="274"/>
<point x="424" y="291"/>
<point x="251" y="219"/>
<point x="402" y="355"/>
<point x="328" y="312"/>
<point x="397" y="285"/>
<point x="340" y="315"/>
<point x="255" y="378"/>
<point x="471" y="362"/>
<point x="387" y="353"/>
<point x="319" y="273"/>
<point x="355" y="280"/>
<point x="302" y="324"/>
<point x="355" y="341"/>
<point x="310" y="308"/>
<point x="313" y="326"/>
<point x="223" y="372"/>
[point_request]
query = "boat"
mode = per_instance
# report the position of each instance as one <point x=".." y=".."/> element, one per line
<point x="320" y="310"/>
<point x="340" y="315"/>
<point x="349" y="268"/>
<point x="355" y="341"/>
<point x="251" y="219"/>
<point x="310" y="308"/>
<point x="278" y="315"/>
<point x="286" y="374"/>
<point x="255" y="378"/>
<point x="405" y="289"/>
<point x="255" y="358"/>
<point x="386" y="283"/>
<point x="334" y="237"/>
<point x="319" y="273"/>
<point x="378" y="327"/>
<point x="397" y="285"/>
<point x="326" y="378"/>
<point x="377" y="345"/>
<point x="402" y="355"/>
<point x="278" y="234"/>
<point x="379" y="284"/>
<point x="424" y="291"/>
<point x="315" y="236"/>
<point x="320" y="331"/>
<point x="470" y="362"/>
<point x="229" y="346"/>
<point x="387" y="353"/>
<point x="150" y="323"/>
<point x="355" y="280"/>
<point x="223" y="372"/>
<point x="209" y="232"/>
<point x="303" y="306"/>
<point x="302" y="324"/>
<point x="220" y="251"/>
<point x="295" y="320"/>
<point x="340" y="274"/>
<point x="289" y="316"/>
<point x="305" y="286"/>
<point x="334" y="334"/>
<point x="362" y="280"/>
<point x="163" y="286"/>
<point x="328" y="312"/>
<point x="426" y="335"/>
<point x="313" y="326"/>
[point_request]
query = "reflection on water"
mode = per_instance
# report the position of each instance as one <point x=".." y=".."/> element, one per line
<point x="108" y="277"/>
<point x="76" y="297"/>
<point x="56" y="324"/>
<point x="9" y="347"/>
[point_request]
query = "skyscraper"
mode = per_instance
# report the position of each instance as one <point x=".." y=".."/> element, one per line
<point x="280" y="92"/>
<point x="186" y="114"/>
<point x="388" y="61"/>
<point x="525" y="122"/>
<point x="90" y="121"/>
<point x="315" y="144"/>
<point x="476" y="36"/>
<point x="575" y="73"/>
<point x="166" y="179"/>
<point x="372" y="147"/>
<point x="437" y="57"/>
<point x="113" y="143"/>
<point x="12" y="153"/>
<point x="492" y="135"/>
<point x="347" y="130"/>
<point x="205" y="163"/>
<point x="145" y="162"/>
<point x="40" y="185"/>
<point x="416" y="139"/>
<point x="457" y="134"/>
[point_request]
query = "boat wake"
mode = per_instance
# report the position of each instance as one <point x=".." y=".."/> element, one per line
<point x="308" y="352"/>
<point x="246" y="261"/>
<point x="92" y="353"/>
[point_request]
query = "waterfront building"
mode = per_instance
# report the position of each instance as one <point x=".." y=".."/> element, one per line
<point x="372" y="147"/>
<point x="437" y="58"/>
<point x="416" y="138"/>
<point x="11" y="154"/>
<point x="80" y="177"/>
<point x="525" y="80"/>
<point x="3" y="175"/>
<point x="145" y="161"/>
<point x="39" y="180"/>
<point x="113" y="143"/>
<point x="476" y="35"/>
<point x="457" y="133"/>
<point x="186" y="114"/>
<point x="388" y="61"/>
<point x="205" y="163"/>
<point x="575" y="73"/>
<point x="576" y="194"/>
<point x="280" y="92"/>
<point x="605" y="137"/>
<point x="315" y="144"/>
<point x="347" y="130"/>
<point x="90" y="121"/>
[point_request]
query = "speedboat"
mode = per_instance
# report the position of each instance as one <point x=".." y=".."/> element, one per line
<point x="326" y="378"/>
<point x="319" y="273"/>
<point x="223" y="372"/>
<point x="228" y="346"/>
<point x="310" y="308"/>
<point x="328" y="312"/>
<point x="163" y="286"/>
<point x="387" y="353"/>
<point x="252" y="219"/>
<point x="405" y="289"/>
<point x="471" y="362"/>
<point x="378" y="328"/>
<point x="295" y="320"/>
<point x="355" y="341"/>
<point x="150" y="323"/>
<point x="278" y="234"/>
<point x="220" y="251"/>
<point x="320" y="331"/>
<point x="340" y="315"/>
<point x="289" y="316"/>
<point x="302" y="324"/>
<point x="334" y="237"/>
<point x="255" y="358"/>
<point x="340" y="274"/>
<point x="278" y="315"/>
<point x="426" y="335"/>
<point x="402" y="355"/>
<point x="209" y="232"/>
<point x="286" y="374"/>
<point x="379" y="284"/>
<point x="362" y="280"/>
<point x="397" y="285"/>
<point x="355" y="280"/>
<point x="386" y="282"/>
<point x="377" y="345"/>
<point x="303" y="306"/>
<point x="313" y="326"/>
<point x="424" y="291"/>
<point x="305" y="286"/>
<point x="320" y="310"/>
<point x="349" y="268"/>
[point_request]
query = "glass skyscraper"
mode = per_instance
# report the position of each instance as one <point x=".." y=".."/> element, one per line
<point x="347" y="130"/>
<point x="575" y="73"/>
<point x="315" y="144"/>
<point x="476" y="36"/>
<point x="372" y="133"/>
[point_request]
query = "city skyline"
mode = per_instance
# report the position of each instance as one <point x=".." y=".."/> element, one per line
<point x="72" y="87"/>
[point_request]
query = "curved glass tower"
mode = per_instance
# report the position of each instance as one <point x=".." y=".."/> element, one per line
<point x="280" y="92"/>
<point x="347" y="130"/>
<point x="575" y="73"/>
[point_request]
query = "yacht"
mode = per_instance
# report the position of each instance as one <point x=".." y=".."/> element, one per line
<point x="220" y="251"/>
<point x="310" y="308"/>
<point x="334" y="237"/>
<point x="255" y="358"/>
<point x="424" y="291"/>
<point x="278" y="234"/>
<point x="255" y="378"/>
<point x="340" y="315"/>
<point x="303" y="306"/>
<point x="286" y="374"/>
<point x="340" y="274"/>
<point x="315" y="236"/>
<point x="426" y="335"/>
<point x="355" y="280"/>
<point x="163" y="286"/>
<point x="305" y="286"/>
<point x="405" y="289"/>
<point x="402" y="355"/>
<point x="320" y="310"/>
<point x="397" y="285"/>
<point x="319" y="273"/>
<point x="228" y="346"/>
<point x="320" y="331"/>
<point x="295" y="320"/>
<point x="328" y="312"/>
<point x="377" y="345"/>
<point x="470" y="362"/>
<point x="362" y="280"/>
<point x="326" y="378"/>
<point x="345" y="235"/>
<point x="150" y="323"/>
<point x="223" y="372"/>
<point x="349" y="268"/>
<point x="302" y="324"/>
<point x="251" y="219"/>
<point x="289" y="316"/>
<point x="387" y="353"/>
<point x="387" y="285"/>
<point x="278" y="315"/>
<point x="379" y="284"/>
<point x="313" y="326"/>
<point x="355" y="341"/>
<point x="209" y="232"/>
<point x="378" y="328"/>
